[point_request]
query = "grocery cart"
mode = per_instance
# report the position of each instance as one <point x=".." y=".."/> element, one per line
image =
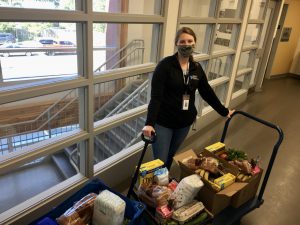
<point x="230" y="215"/>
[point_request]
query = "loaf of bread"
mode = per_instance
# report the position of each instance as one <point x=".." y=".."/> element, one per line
<point x="81" y="213"/>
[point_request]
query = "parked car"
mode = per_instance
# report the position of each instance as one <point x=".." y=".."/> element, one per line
<point x="7" y="38"/>
<point x="14" y="46"/>
<point x="58" y="46"/>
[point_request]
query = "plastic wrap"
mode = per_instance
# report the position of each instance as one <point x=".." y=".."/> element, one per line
<point x="80" y="213"/>
<point x="109" y="209"/>
<point x="186" y="190"/>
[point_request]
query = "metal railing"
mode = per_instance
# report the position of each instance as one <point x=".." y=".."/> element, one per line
<point x="40" y="128"/>
<point x="15" y="136"/>
<point x="130" y="53"/>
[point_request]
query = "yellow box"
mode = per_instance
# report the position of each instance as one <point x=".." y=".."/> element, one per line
<point x="147" y="170"/>
<point x="225" y="180"/>
<point x="216" y="147"/>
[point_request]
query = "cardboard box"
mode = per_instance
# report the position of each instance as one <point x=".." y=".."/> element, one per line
<point x="214" y="201"/>
<point x="248" y="192"/>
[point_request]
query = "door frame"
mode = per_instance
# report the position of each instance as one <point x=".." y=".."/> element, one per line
<point x="271" y="43"/>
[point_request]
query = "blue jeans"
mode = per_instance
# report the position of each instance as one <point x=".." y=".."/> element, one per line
<point x="168" y="142"/>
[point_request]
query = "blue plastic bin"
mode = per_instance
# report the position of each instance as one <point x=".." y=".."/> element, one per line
<point x="133" y="211"/>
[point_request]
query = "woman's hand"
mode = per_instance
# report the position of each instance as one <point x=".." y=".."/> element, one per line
<point x="231" y="111"/>
<point x="148" y="131"/>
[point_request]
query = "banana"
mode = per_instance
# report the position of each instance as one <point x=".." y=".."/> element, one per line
<point x="240" y="176"/>
<point x="202" y="173"/>
<point x="206" y="175"/>
<point x="245" y="178"/>
<point x="214" y="186"/>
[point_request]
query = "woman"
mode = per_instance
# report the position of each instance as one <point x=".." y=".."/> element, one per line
<point x="172" y="110"/>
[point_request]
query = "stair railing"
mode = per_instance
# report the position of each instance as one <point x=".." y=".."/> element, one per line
<point x="130" y="98"/>
<point x="136" y="42"/>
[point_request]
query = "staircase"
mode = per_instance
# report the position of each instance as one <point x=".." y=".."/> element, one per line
<point x="131" y="95"/>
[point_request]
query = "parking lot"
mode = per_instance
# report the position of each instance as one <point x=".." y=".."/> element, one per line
<point x="41" y="65"/>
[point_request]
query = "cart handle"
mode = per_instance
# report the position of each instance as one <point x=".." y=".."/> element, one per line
<point x="147" y="140"/>
<point x="275" y="148"/>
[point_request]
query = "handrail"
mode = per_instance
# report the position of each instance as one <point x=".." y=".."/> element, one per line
<point x="275" y="148"/>
<point x="125" y="56"/>
<point x="39" y="116"/>
<point x="128" y="99"/>
<point x="119" y="51"/>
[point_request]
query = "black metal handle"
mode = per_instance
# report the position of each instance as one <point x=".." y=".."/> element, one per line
<point x="275" y="149"/>
<point x="147" y="140"/>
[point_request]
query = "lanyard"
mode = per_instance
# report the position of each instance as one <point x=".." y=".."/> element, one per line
<point x="186" y="75"/>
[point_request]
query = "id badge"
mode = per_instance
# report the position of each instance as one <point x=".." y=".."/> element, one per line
<point x="185" y="102"/>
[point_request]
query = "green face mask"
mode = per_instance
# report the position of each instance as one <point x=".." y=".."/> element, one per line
<point x="185" y="50"/>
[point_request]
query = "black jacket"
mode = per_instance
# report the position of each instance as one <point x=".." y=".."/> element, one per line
<point x="167" y="89"/>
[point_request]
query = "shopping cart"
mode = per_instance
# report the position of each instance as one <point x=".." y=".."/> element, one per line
<point x="230" y="215"/>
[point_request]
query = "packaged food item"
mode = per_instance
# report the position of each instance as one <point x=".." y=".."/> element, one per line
<point x="225" y="180"/>
<point x="161" y="176"/>
<point x="80" y="213"/>
<point x="172" y="185"/>
<point x="216" y="147"/>
<point x="188" y="211"/>
<point x="192" y="163"/>
<point x="147" y="171"/>
<point x="163" y="213"/>
<point x="109" y="209"/>
<point x="210" y="164"/>
<point x="186" y="190"/>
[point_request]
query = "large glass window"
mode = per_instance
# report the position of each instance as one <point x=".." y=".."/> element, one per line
<point x="119" y="138"/>
<point x="26" y="122"/>
<point x="244" y="60"/>
<point x="122" y="45"/>
<point x="257" y="9"/>
<point x="148" y="7"/>
<point x="242" y="82"/>
<point x="230" y="8"/>
<point x="42" y="174"/>
<point x="252" y="34"/>
<point x="40" y="4"/>
<point x="220" y="67"/>
<point x="221" y="92"/>
<point x="51" y="47"/>
<point x="226" y="37"/>
<point x="117" y="96"/>
<point x="196" y="8"/>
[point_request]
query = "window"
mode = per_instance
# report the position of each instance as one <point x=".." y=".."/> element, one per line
<point x="220" y="67"/>
<point x="257" y="9"/>
<point x="38" y="119"/>
<point x="136" y="46"/>
<point x="42" y="174"/>
<point x="47" y="44"/>
<point x="252" y="34"/>
<point x="226" y="37"/>
<point x="39" y="4"/>
<point x="196" y="8"/>
<point x="119" y="95"/>
<point x="230" y="8"/>
<point x="146" y="7"/>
